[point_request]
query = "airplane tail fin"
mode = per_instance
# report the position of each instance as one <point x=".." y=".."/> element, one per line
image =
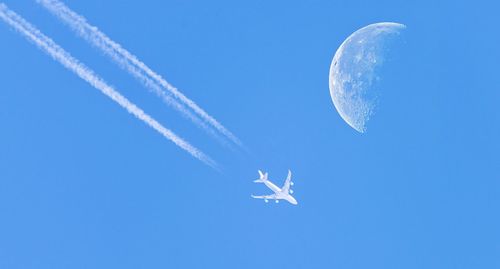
<point x="262" y="178"/>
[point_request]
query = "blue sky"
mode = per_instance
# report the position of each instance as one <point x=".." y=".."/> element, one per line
<point x="83" y="184"/>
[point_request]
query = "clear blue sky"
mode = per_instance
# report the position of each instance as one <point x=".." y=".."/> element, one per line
<point x="83" y="184"/>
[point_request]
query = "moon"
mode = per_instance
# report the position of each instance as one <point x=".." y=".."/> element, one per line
<point x="353" y="72"/>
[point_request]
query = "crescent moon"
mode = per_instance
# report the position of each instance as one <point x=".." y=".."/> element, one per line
<point x="353" y="72"/>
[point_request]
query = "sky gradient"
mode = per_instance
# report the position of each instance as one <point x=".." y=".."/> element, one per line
<point x="83" y="184"/>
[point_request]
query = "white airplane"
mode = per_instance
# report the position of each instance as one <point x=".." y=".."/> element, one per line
<point x="279" y="194"/>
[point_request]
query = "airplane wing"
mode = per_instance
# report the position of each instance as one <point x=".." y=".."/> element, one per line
<point x="271" y="196"/>
<point x="288" y="183"/>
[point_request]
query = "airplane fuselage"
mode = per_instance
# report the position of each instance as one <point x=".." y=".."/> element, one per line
<point x="271" y="186"/>
<point x="279" y="193"/>
<point x="290" y="199"/>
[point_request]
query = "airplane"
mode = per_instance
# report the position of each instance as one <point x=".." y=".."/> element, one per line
<point x="279" y="194"/>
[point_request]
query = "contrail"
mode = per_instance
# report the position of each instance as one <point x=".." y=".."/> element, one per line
<point x="59" y="54"/>
<point x="131" y="63"/>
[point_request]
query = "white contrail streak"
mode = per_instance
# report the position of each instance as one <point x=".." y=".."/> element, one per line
<point x="60" y="55"/>
<point x="131" y="63"/>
